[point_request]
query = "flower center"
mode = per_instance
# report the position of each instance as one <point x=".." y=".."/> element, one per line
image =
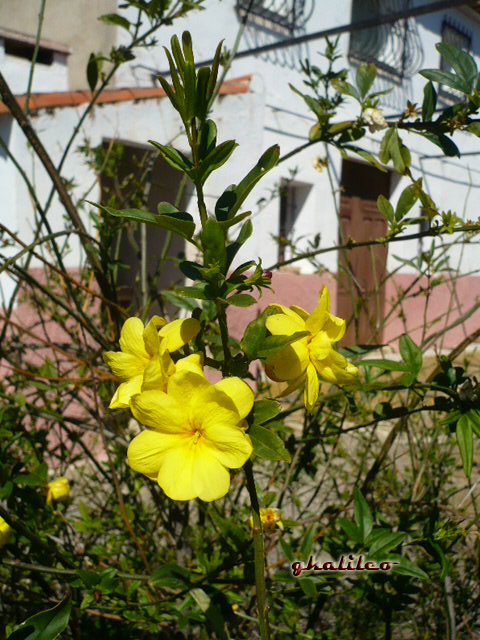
<point x="197" y="431"/>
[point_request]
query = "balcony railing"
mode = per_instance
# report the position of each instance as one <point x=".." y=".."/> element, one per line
<point x="286" y="15"/>
<point x="395" y="49"/>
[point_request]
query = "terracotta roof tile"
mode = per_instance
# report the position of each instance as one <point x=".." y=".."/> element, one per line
<point x="74" y="98"/>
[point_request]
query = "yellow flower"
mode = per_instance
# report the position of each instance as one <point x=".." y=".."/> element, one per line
<point x="144" y="361"/>
<point x="196" y="432"/>
<point x="5" y="532"/>
<point x="269" y="518"/>
<point x="301" y="361"/>
<point x="58" y="490"/>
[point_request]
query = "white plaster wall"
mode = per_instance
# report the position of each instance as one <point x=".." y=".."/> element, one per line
<point x="46" y="77"/>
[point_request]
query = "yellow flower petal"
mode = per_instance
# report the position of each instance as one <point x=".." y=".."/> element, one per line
<point x="121" y="397"/>
<point x="319" y="347"/>
<point x="317" y="319"/>
<point x="336" y="369"/>
<point x="190" y="472"/>
<point x="210" y="408"/>
<point x="159" y="411"/>
<point x="192" y="363"/>
<point x="156" y="373"/>
<point x="300" y="312"/>
<point x="125" y="365"/>
<point x="310" y="394"/>
<point x="293" y="386"/>
<point x="290" y="362"/>
<point x="145" y="452"/>
<point x="229" y="445"/>
<point x="239" y="392"/>
<point x="151" y="338"/>
<point x="185" y="384"/>
<point x="334" y="328"/>
<point x="131" y="338"/>
<point x="179" y="332"/>
<point x="283" y="325"/>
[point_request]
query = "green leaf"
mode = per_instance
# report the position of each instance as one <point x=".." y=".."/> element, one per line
<point x="407" y="199"/>
<point x="233" y="248"/>
<point x="445" y="78"/>
<point x="406" y="567"/>
<point x="212" y="81"/>
<point x="351" y="529"/>
<point x="233" y="197"/>
<point x="179" y="93"/>
<point x="445" y="143"/>
<point x="465" y="443"/>
<point x="385" y="542"/>
<point x="264" y="410"/>
<point x="197" y="293"/>
<point x="398" y="158"/>
<point x="214" y="160"/>
<point x="116" y="20"/>
<point x="171" y="576"/>
<point x="37" y="478"/>
<point x="46" y="625"/>
<point x="388" y="365"/>
<point x="474" y="128"/>
<point x="271" y="344"/>
<point x="213" y="243"/>
<point x="178" y="222"/>
<point x="207" y="139"/>
<point x="307" y="542"/>
<point x="178" y="55"/>
<point x="370" y="159"/>
<point x="255" y="334"/>
<point x="191" y="270"/>
<point x="187" y="47"/>
<point x="365" y="77"/>
<point x="241" y="300"/>
<point x="92" y="72"/>
<point x="308" y="586"/>
<point x="346" y="89"/>
<point x="201" y="100"/>
<point x="267" y="445"/>
<point x="385" y="208"/>
<point x="384" y="154"/>
<point x="429" y="101"/>
<point x="411" y="354"/>
<point x="363" y="515"/>
<point x="190" y="90"/>
<point x="474" y="417"/>
<point x="172" y="157"/>
<point x="462" y="63"/>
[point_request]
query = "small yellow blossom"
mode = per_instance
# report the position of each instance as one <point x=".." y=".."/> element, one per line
<point x="5" y="532"/>
<point x="196" y="432"/>
<point x="319" y="164"/>
<point x="269" y="518"/>
<point x="375" y="120"/>
<point x="58" y="490"/>
<point x="302" y="361"/>
<point x="144" y="361"/>
<point x="235" y="608"/>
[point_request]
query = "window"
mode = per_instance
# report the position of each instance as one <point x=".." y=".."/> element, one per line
<point x="279" y="15"/>
<point x="292" y="199"/>
<point x="21" y="45"/>
<point x="394" y="48"/>
<point x="460" y="38"/>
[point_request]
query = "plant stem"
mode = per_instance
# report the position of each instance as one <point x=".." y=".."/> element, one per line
<point x="222" y="321"/>
<point x="35" y="54"/>
<point x="259" y="555"/>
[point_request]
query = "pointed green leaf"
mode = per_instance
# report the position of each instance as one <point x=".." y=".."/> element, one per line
<point x="365" y="77"/>
<point x="173" y="157"/>
<point x="407" y="199"/>
<point x="92" y="72"/>
<point x="363" y="515"/>
<point x="213" y="243"/>
<point x="264" y="410"/>
<point x="465" y="443"/>
<point x="178" y="55"/>
<point x="267" y="445"/>
<point x="241" y="300"/>
<point x="116" y="20"/>
<point x="385" y="208"/>
<point x="386" y="542"/>
<point x="388" y="365"/>
<point x="445" y="143"/>
<point x="351" y="529"/>
<point x="207" y="138"/>
<point x="462" y="63"/>
<point x="445" y="78"/>
<point x="215" y="159"/>
<point x="411" y="354"/>
<point x="429" y="101"/>
<point x="46" y="625"/>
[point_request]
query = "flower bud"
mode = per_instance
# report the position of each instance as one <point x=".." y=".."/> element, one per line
<point x="375" y="120"/>
<point x="58" y="490"/>
<point x="5" y="532"/>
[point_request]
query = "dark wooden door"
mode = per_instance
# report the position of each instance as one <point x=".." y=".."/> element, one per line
<point x="362" y="271"/>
